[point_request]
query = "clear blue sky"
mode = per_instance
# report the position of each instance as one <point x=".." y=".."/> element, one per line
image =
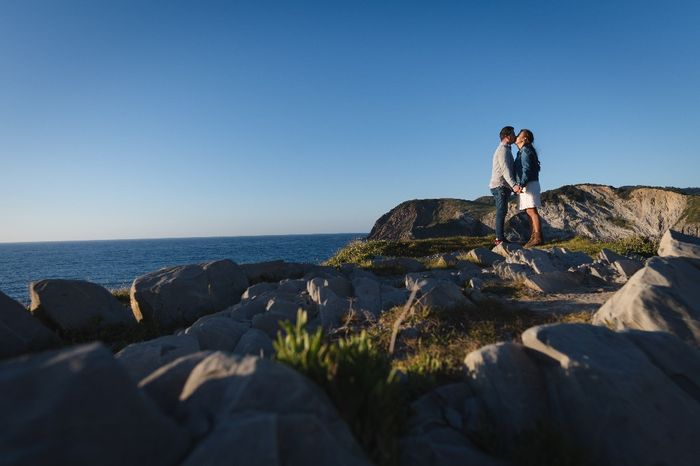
<point x="136" y="119"/>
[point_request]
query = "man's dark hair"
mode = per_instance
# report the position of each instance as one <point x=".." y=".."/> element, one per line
<point x="507" y="131"/>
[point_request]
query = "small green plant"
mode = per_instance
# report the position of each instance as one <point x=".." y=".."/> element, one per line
<point x="358" y="379"/>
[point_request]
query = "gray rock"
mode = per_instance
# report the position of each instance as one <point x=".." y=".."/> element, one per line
<point x="663" y="296"/>
<point x="515" y="272"/>
<point x="368" y="295"/>
<point x="553" y="282"/>
<point x="218" y="333"/>
<point x="564" y="259"/>
<point x="438" y="294"/>
<point x="258" y="289"/>
<point x="20" y="332"/>
<point x="164" y="385"/>
<point x="257" y="410"/>
<point x="625" y="268"/>
<point x="506" y="249"/>
<point x="71" y="305"/>
<point x="511" y="386"/>
<point x="439" y="429"/>
<point x="269" y="322"/>
<point x="403" y="264"/>
<point x="606" y="255"/>
<point x="677" y="244"/>
<point x="537" y="260"/>
<point x="392" y="297"/>
<point x="78" y="406"/>
<point x="274" y="271"/>
<point x="612" y="401"/>
<point x="332" y="310"/>
<point x="484" y="257"/>
<point x="292" y="286"/>
<point x="255" y="343"/>
<point x="246" y="311"/>
<point x="476" y="283"/>
<point x="177" y="295"/>
<point x="467" y="272"/>
<point x="141" y="359"/>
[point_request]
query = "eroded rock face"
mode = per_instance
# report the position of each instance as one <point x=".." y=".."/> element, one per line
<point x="663" y="296"/>
<point x="20" y="332"/>
<point x="78" y="406"/>
<point x="257" y="410"/>
<point x="76" y="305"/>
<point x="181" y="294"/>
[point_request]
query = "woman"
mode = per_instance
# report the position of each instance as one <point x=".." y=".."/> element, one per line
<point x="527" y="171"/>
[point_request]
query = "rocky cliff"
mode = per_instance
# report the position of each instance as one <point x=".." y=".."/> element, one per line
<point x="594" y="211"/>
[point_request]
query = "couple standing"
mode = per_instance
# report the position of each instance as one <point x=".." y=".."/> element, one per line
<point x="520" y="177"/>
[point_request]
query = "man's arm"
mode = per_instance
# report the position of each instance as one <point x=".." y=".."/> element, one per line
<point x="505" y="168"/>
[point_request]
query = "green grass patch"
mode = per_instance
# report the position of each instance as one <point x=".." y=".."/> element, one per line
<point x="646" y="247"/>
<point x="362" y="252"/>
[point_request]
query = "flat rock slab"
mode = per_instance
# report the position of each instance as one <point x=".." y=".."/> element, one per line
<point x="662" y="296"/>
<point x="179" y="295"/>
<point x="612" y="401"/>
<point x="20" y="332"/>
<point x="79" y="407"/>
<point x="71" y="305"/>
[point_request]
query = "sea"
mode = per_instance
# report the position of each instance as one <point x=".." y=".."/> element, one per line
<point x="116" y="263"/>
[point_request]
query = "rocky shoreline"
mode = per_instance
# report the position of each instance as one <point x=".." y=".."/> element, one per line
<point x="208" y="390"/>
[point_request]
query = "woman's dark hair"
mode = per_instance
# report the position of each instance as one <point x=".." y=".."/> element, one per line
<point x="528" y="134"/>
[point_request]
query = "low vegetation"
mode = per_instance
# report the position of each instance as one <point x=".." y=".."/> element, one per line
<point x="372" y="388"/>
<point x="638" y="245"/>
<point x="362" y="252"/>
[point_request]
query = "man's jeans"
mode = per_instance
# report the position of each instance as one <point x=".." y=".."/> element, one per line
<point x="501" y="195"/>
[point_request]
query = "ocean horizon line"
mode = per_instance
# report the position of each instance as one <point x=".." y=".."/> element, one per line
<point x="178" y="238"/>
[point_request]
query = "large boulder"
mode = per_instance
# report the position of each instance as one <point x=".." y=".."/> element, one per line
<point x="179" y="295"/>
<point x="20" y="332"/>
<point x="614" y="402"/>
<point x="217" y="333"/>
<point x="71" y="305"/>
<point x="511" y="385"/>
<point x="440" y="427"/>
<point x="663" y="296"/>
<point x="261" y="412"/>
<point x="442" y="295"/>
<point x="140" y="359"/>
<point x="78" y="406"/>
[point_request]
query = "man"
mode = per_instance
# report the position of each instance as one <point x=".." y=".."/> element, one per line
<point x="502" y="180"/>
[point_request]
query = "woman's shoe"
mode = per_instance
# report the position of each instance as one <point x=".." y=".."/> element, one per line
<point x="535" y="239"/>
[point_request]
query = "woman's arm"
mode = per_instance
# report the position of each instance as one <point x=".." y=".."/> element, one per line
<point x="525" y="160"/>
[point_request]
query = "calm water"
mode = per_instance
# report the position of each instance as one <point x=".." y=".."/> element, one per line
<point x="115" y="264"/>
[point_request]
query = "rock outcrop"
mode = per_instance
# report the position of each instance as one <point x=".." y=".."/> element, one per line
<point x="70" y="305"/>
<point x="78" y="406"/>
<point x="664" y="295"/>
<point x="176" y="295"/>
<point x="594" y="211"/>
